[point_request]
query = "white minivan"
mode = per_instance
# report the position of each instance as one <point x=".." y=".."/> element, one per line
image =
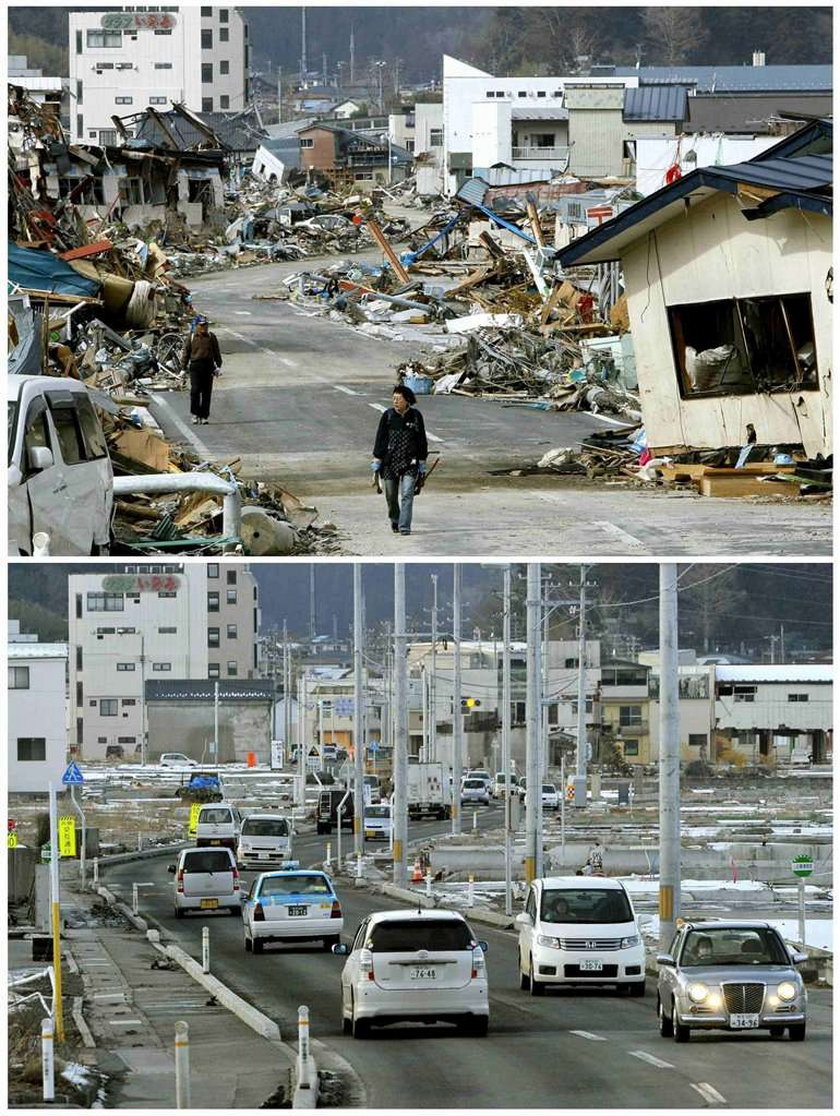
<point x="265" y="841"/>
<point x="60" y="474"/>
<point x="579" y="930"/>
<point x="218" y="823"/>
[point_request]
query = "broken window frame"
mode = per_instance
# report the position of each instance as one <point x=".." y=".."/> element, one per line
<point x="795" y="321"/>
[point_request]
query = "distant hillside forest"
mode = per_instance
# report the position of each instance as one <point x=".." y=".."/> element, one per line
<point x="520" y="39"/>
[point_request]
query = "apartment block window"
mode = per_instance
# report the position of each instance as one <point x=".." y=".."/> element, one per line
<point x="232" y="631"/>
<point x="102" y="740"/>
<point x="212" y="637"/>
<point x="128" y="701"/>
<point x="231" y="577"/>
<point x="98" y="38"/>
<point x="207" y="39"/>
<point x="163" y="65"/>
<point x="631" y="747"/>
<point x="18" y="678"/>
<point x="214" y="670"/>
<point x="80" y="731"/>
<point x="540" y="92"/>
<point x="167" y="631"/>
<point x="436" y="137"/>
<point x="212" y="569"/>
<point x="522" y="93"/>
<point x="93" y="703"/>
<point x="78" y="42"/>
<point x="224" y="101"/>
<point x="206" y="12"/>
<point x="123" y="100"/>
<point x="629" y="715"/>
<point x="157" y="100"/>
<point x="126" y="739"/>
<point x="80" y="124"/>
<point x="307" y="143"/>
<point x="574" y="706"/>
<point x="107" y="707"/>
<point x="162" y="668"/>
<point x="105" y="602"/>
<point x="232" y="668"/>
<point x="224" y="67"/>
<point x="206" y="73"/>
<point x="31" y="749"/>
<point x="231" y="596"/>
<point x="223" y="15"/>
<point x="799" y="697"/>
<point x="759" y="345"/>
<point x="744" y="693"/>
<point x="698" y="739"/>
<point x="206" y="104"/>
<point x="79" y="92"/>
<point x="224" y="34"/>
<point x="167" y="31"/>
<point x="79" y="657"/>
<point x="80" y="694"/>
<point x="126" y="666"/>
<point x="212" y="602"/>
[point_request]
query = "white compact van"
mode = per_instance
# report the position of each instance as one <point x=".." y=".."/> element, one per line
<point x="60" y="475"/>
<point x="265" y="841"/>
<point x="218" y="823"/>
<point x="579" y="930"/>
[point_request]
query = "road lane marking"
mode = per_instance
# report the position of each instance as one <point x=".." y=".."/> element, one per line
<point x="651" y="1059"/>
<point x="276" y="356"/>
<point x="123" y="1022"/>
<point x="244" y="313"/>
<point x="620" y="534"/>
<point x="378" y="407"/>
<point x="109" y="995"/>
<point x="588" y="1035"/>
<point x="708" y="1093"/>
<point x="346" y="390"/>
<point x="203" y="451"/>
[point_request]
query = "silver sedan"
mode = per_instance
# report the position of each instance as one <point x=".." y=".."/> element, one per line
<point x="734" y="976"/>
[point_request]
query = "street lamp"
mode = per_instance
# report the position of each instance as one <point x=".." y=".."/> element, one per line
<point x="380" y="66"/>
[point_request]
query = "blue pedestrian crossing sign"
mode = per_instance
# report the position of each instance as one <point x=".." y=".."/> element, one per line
<point x="72" y="776"/>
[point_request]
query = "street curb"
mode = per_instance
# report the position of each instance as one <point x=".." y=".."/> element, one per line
<point x="266" y="1028"/>
<point x="139" y="854"/>
<point x="136" y="921"/>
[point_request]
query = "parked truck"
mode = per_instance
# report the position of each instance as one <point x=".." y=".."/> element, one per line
<point x="429" y="790"/>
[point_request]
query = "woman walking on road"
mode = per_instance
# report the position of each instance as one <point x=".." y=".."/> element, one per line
<point x="202" y="357"/>
<point x="399" y="456"/>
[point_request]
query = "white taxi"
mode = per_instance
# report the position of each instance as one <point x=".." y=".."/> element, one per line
<point x="291" y="906"/>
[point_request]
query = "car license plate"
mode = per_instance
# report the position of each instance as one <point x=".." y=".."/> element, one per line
<point x="590" y="965"/>
<point x="297" y="911"/>
<point x="209" y="904"/>
<point x="215" y="841"/>
<point x="743" y="1022"/>
<point x="423" y="974"/>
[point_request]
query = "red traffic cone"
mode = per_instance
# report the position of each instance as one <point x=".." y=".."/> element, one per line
<point x="417" y="873"/>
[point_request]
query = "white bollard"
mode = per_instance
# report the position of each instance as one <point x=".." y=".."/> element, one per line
<point x="329" y="853"/>
<point x="96" y="871"/>
<point x="475" y="819"/>
<point x="139" y="842"/>
<point x="358" y="866"/>
<point x="303" y="1066"/>
<point x="48" y="1059"/>
<point x="429" y="884"/>
<point x="182" y="1064"/>
<point x="134" y="900"/>
<point x="471" y="892"/>
<point x="205" y="949"/>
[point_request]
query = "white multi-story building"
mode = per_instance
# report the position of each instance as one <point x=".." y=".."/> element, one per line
<point x="123" y="61"/>
<point x="37" y="712"/>
<point x="186" y="621"/>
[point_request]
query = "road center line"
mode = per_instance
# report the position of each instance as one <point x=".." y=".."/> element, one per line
<point x="203" y="452"/>
<point x="379" y="407"/>
<point x="244" y="313"/>
<point x="588" y="1035"/>
<point x="346" y="390"/>
<point x="651" y="1059"/>
<point x="276" y="356"/>
<point x="708" y="1093"/>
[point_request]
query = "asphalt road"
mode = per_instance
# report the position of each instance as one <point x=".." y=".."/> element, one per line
<point x="299" y="402"/>
<point x="571" y="1049"/>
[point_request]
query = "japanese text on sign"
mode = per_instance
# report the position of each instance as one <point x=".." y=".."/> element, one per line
<point x="67" y="836"/>
<point x="193" y="827"/>
<point x="138" y="21"/>
<point x="140" y="583"/>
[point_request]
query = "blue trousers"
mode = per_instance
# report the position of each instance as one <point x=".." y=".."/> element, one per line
<point x="399" y="492"/>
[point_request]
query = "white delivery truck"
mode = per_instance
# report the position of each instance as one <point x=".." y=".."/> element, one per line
<point x="429" y="790"/>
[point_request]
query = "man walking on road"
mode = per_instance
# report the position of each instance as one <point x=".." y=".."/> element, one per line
<point x="202" y="357"/>
<point x="399" y="456"/>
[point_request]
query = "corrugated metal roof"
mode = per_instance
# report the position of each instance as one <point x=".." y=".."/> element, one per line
<point x="505" y="176"/>
<point x="522" y="112"/>
<point x="808" y="172"/>
<point x="732" y="79"/>
<point x="653" y="102"/>
<point x="780" y="673"/>
<point x="473" y="191"/>
<point x="37" y="651"/>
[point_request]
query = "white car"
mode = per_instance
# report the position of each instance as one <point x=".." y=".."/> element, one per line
<point x="423" y="966"/>
<point x="550" y="797"/>
<point x="206" y="880"/>
<point x="474" y="791"/>
<point x="579" y="930"/>
<point x="378" y="822"/>
<point x="480" y="773"/>
<point x="265" y="841"/>
<point x="291" y="906"/>
<point x="176" y="759"/>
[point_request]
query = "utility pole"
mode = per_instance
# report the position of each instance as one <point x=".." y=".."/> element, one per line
<point x="457" y="719"/>
<point x="312" y="629"/>
<point x="400" y="752"/>
<point x="580" y="767"/>
<point x="432" y="756"/>
<point x="533" y="766"/>
<point x="55" y="915"/>
<point x="358" y="700"/>
<point x="303" y="45"/>
<point x="287" y="693"/>
<point x="301" y="739"/>
<point x="352" y="55"/>
<point x="279" y="94"/>
<point x="669" y="757"/>
<point x="506" y="765"/>
<point x="216" y="757"/>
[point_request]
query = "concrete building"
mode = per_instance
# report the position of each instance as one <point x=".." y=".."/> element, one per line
<point x="173" y="622"/>
<point x="777" y="715"/>
<point x="37" y="712"/>
<point x="236" y="715"/>
<point x="123" y="61"/>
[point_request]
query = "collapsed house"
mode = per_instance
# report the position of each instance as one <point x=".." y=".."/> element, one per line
<point x="728" y="278"/>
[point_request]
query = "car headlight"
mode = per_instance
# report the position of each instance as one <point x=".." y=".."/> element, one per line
<point x="544" y="940"/>
<point x="627" y="943"/>
<point x="786" y="991"/>
<point x="697" y="992"/>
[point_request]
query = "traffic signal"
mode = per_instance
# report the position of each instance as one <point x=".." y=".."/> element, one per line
<point x="468" y="704"/>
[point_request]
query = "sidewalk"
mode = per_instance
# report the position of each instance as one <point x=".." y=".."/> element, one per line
<point x="133" y="996"/>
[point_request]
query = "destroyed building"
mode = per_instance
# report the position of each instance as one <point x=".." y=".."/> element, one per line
<point x="728" y="275"/>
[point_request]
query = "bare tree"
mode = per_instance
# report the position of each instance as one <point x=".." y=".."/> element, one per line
<point x="673" y="33"/>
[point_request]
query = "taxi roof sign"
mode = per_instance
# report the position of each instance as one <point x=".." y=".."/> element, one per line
<point x="72" y="776"/>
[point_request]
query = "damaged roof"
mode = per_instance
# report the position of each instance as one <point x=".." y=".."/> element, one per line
<point x="801" y="181"/>
<point x="732" y="79"/>
<point x="655" y="102"/>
